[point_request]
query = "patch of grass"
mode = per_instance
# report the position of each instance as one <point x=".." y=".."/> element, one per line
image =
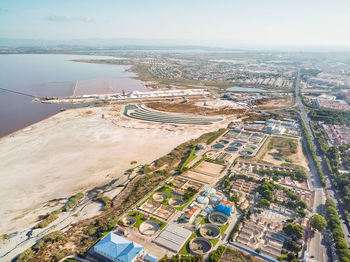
<point x="160" y="223"/>
<point x="166" y="190"/>
<point x="73" y="201"/>
<point x="49" y="219"/>
<point x="197" y="163"/>
<point x="26" y="255"/>
<point x="214" y="241"/>
<point x="140" y="218"/>
<point x="216" y="135"/>
<point x="184" y="205"/>
<point x="285" y="146"/>
<point x="214" y="161"/>
<point x="255" y="117"/>
<point x="223" y="228"/>
<point x="190" y="158"/>
<point x="165" y="202"/>
<point x="185" y="250"/>
<point x="106" y="201"/>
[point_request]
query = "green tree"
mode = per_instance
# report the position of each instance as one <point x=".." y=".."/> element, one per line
<point x="292" y="246"/>
<point x="301" y="212"/>
<point x="294" y="231"/>
<point x="318" y="222"/>
<point x="267" y="194"/>
<point x="264" y="203"/>
<point x="26" y="255"/>
<point x="301" y="204"/>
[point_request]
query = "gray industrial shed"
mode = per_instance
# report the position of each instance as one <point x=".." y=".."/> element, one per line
<point x="173" y="237"/>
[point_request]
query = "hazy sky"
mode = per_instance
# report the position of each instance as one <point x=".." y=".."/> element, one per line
<point x="215" y="22"/>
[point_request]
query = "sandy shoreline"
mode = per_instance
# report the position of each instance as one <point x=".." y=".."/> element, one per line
<point x="73" y="151"/>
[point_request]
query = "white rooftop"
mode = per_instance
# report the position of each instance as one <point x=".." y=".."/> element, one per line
<point x="173" y="237"/>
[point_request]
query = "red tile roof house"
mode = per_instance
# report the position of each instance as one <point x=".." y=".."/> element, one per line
<point x="179" y="192"/>
<point x="192" y="213"/>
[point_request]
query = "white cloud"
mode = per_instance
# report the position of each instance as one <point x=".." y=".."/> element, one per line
<point x="60" y="18"/>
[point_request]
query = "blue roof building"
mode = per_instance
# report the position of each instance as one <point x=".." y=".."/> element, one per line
<point x="117" y="249"/>
<point x="150" y="258"/>
<point x="225" y="207"/>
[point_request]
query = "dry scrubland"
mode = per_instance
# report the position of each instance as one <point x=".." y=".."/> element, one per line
<point x="283" y="151"/>
<point x="275" y="103"/>
<point x="233" y="255"/>
<point x="73" y="151"/>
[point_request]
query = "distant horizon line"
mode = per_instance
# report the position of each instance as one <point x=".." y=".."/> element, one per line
<point x="167" y="43"/>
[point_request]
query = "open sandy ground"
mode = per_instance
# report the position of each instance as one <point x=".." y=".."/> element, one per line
<point x="211" y="168"/>
<point x="298" y="159"/>
<point x="73" y="151"/>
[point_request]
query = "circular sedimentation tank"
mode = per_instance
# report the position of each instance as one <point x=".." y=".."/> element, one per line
<point x="218" y="218"/>
<point x="246" y="153"/>
<point x="231" y="149"/>
<point x="160" y="196"/>
<point x="129" y="221"/>
<point x="218" y="146"/>
<point x="223" y="141"/>
<point x="148" y="228"/>
<point x="176" y="202"/>
<point x="236" y="144"/>
<point x="200" y="246"/>
<point x="250" y="147"/>
<point x="209" y="231"/>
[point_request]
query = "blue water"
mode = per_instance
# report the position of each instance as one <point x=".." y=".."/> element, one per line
<point x="246" y="89"/>
<point x="51" y="75"/>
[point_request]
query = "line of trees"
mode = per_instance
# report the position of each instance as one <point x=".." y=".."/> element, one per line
<point x="297" y="175"/>
<point x="321" y="136"/>
<point x="330" y="116"/>
<point x="182" y="258"/>
<point x="341" y="181"/>
<point x="337" y="232"/>
<point x="216" y="135"/>
<point x="216" y="255"/>
<point x="313" y="152"/>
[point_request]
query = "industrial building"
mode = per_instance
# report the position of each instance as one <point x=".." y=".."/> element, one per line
<point x="117" y="249"/>
<point x="173" y="237"/>
<point x="226" y="207"/>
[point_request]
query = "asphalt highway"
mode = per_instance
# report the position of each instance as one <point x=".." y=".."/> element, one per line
<point x="317" y="249"/>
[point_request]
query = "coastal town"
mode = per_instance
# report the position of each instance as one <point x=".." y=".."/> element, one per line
<point x="175" y="131"/>
<point x="220" y="158"/>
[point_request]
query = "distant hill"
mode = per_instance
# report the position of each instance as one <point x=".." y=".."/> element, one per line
<point x="115" y="43"/>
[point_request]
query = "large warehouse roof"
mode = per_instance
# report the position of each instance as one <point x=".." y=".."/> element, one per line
<point x="173" y="237"/>
<point x="114" y="247"/>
